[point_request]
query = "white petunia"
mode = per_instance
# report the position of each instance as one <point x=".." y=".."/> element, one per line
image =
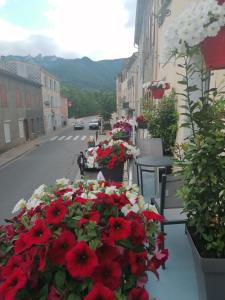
<point x="62" y="181"/>
<point x="19" y="205"/>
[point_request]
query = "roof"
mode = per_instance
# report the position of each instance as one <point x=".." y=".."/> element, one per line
<point x="19" y="78"/>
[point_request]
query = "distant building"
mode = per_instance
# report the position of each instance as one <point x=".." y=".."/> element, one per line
<point x="50" y="89"/>
<point x="64" y="110"/>
<point x="21" y="110"/>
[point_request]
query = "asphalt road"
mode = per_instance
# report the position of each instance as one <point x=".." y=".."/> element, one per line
<point x="53" y="159"/>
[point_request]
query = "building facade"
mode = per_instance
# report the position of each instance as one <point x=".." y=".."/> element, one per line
<point x="21" y="110"/>
<point x="50" y="90"/>
<point x="152" y="20"/>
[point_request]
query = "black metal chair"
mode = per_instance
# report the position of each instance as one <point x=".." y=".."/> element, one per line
<point x="169" y="204"/>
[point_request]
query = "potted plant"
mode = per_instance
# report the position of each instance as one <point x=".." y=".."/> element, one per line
<point x="124" y="127"/>
<point x="201" y="25"/>
<point x="80" y="241"/>
<point x="157" y="88"/>
<point x="111" y="155"/>
<point x="120" y="133"/>
<point x="202" y="163"/>
<point x="142" y="122"/>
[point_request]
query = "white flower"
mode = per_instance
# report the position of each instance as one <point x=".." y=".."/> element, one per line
<point x="110" y="190"/>
<point x="62" y="181"/>
<point x="132" y="197"/>
<point x="39" y="191"/>
<point x="128" y="208"/>
<point x="150" y="207"/>
<point x="88" y="195"/>
<point x="33" y="202"/>
<point x="19" y="205"/>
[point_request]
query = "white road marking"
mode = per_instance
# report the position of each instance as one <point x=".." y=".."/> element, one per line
<point x="76" y="137"/>
<point x="68" y="138"/>
<point x="61" y="138"/>
<point x="54" y="138"/>
<point x="83" y="137"/>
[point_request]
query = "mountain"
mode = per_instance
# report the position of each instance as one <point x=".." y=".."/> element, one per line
<point x="81" y="73"/>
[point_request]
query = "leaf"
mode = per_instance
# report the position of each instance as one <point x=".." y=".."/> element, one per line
<point x="183" y="82"/>
<point x="73" y="296"/>
<point x="43" y="292"/>
<point x="186" y="125"/>
<point x="60" y="277"/>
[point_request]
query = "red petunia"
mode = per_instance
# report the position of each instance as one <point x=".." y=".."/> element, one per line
<point x="137" y="262"/>
<point x="99" y="291"/>
<point x="21" y="244"/>
<point x="105" y="251"/>
<point x="39" y="234"/>
<point x="13" y="283"/>
<point x="138" y="294"/>
<point x="137" y="232"/>
<point x="108" y="273"/>
<point x="94" y="216"/>
<point x="54" y="294"/>
<point x="60" y="246"/>
<point x="152" y="216"/>
<point x="63" y="191"/>
<point x="119" y="228"/>
<point x="81" y="260"/>
<point x="55" y="212"/>
<point x="14" y="262"/>
<point x="157" y="261"/>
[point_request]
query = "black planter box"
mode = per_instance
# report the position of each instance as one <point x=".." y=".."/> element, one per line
<point x="115" y="174"/>
<point x="142" y="125"/>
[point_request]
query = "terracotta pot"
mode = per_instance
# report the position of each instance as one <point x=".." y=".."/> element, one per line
<point x="213" y="51"/>
<point x="157" y="93"/>
<point x="115" y="174"/>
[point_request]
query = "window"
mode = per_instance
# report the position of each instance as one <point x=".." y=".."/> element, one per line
<point x="18" y="98"/>
<point x="7" y="132"/>
<point x="21" y="129"/>
<point x="50" y="81"/>
<point x="3" y="96"/>
<point x="46" y="83"/>
<point x="55" y="86"/>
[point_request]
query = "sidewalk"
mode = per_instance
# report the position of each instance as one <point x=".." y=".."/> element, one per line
<point x="178" y="280"/>
<point x="27" y="147"/>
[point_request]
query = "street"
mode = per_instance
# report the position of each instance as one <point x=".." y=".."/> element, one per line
<point x="53" y="159"/>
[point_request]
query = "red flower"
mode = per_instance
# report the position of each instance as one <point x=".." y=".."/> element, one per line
<point x="60" y="246"/>
<point x="157" y="261"/>
<point x="119" y="228"/>
<point x="54" y="294"/>
<point x="119" y="200"/>
<point x="63" y="191"/>
<point x="108" y="273"/>
<point x="152" y="216"/>
<point x="21" y="244"/>
<point x="13" y="284"/>
<point x="39" y="234"/>
<point x="138" y="294"/>
<point x="94" y="216"/>
<point x="55" y="212"/>
<point x="81" y="260"/>
<point x="137" y="262"/>
<point x="13" y="263"/>
<point x="137" y="232"/>
<point x="99" y="291"/>
<point x="105" y="251"/>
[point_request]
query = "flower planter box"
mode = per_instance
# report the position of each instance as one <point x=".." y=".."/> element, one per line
<point x="210" y="274"/>
<point x="157" y="93"/>
<point x="142" y="125"/>
<point x="124" y="137"/>
<point x="115" y="174"/>
<point x="213" y="51"/>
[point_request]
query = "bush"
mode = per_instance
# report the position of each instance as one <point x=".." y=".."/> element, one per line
<point x="163" y="120"/>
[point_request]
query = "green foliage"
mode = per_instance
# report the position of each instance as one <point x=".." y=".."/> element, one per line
<point x="86" y="103"/>
<point x="162" y="119"/>
<point x="202" y="162"/>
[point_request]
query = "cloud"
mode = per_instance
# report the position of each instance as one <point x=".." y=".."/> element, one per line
<point x="34" y="45"/>
<point x="2" y="2"/>
<point x="98" y="29"/>
<point x="130" y="6"/>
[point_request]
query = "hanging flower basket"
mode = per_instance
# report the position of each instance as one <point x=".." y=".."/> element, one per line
<point x="157" y="93"/>
<point x="213" y="51"/>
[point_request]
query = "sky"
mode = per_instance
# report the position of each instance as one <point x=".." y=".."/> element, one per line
<point x="99" y="29"/>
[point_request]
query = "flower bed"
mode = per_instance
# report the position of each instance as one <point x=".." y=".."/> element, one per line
<point x="89" y="240"/>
